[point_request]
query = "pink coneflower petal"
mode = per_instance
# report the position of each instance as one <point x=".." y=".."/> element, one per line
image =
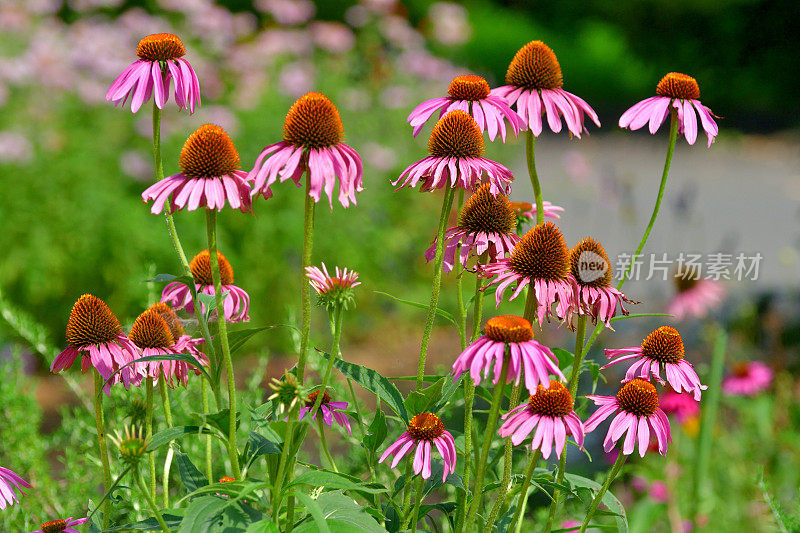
<point x="748" y="379"/>
<point x="424" y="429"/>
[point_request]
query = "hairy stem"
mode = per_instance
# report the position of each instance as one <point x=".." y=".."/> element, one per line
<point x="150" y="502"/>
<point x="491" y="423"/>
<point x="336" y="319"/>
<point x="438" y="260"/>
<point x="599" y="496"/>
<point x="204" y="400"/>
<point x="211" y="230"/>
<point x="101" y="442"/>
<point x="148" y="430"/>
<point x="170" y="449"/>
<point x="305" y="288"/>
<point x="417" y="502"/>
<point x="324" y="444"/>
<point x="530" y="148"/>
<point x="507" y="463"/>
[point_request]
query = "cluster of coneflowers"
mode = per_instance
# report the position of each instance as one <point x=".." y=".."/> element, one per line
<point x="488" y="241"/>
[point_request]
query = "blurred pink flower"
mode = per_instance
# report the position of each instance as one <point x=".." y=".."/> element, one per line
<point x="695" y="297"/>
<point x="570" y="526"/>
<point x="297" y="78"/>
<point x="450" y="23"/>
<point x="333" y="37"/>
<point x="135" y="165"/>
<point x="287" y="12"/>
<point x="14" y="148"/>
<point x="659" y="492"/>
<point x="379" y="156"/>
<point x="748" y="379"/>
<point x="683" y="406"/>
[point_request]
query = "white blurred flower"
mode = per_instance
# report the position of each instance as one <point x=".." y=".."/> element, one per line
<point x="379" y="156"/>
<point x="450" y="23"/>
<point x="297" y="78"/>
<point x="394" y="97"/>
<point x="135" y="165"/>
<point x="287" y="12"/>
<point x="14" y="148"/>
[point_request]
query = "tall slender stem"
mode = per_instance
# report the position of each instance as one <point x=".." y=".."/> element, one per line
<point x="417" y="502"/>
<point x="204" y="401"/>
<point x="708" y="418"/>
<point x="211" y="230"/>
<point x="530" y="146"/>
<point x="150" y="502"/>
<point x="580" y="333"/>
<point x="599" y="496"/>
<point x="277" y="486"/>
<point x="673" y="136"/>
<point x="477" y="310"/>
<point x="305" y="288"/>
<point x="507" y="463"/>
<point x="101" y="442"/>
<point x="148" y="429"/>
<point x="324" y="444"/>
<point x="336" y="319"/>
<point x="491" y="424"/>
<point x="438" y="260"/>
<point x="533" y="460"/>
<point x="462" y="313"/>
<point x="170" y="449"/>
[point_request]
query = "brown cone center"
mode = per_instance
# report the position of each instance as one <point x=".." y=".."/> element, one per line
<point x="677" y="85"/>
<point x="469" y="87"/>
<point x="508" y="328"/>
<point x="487" y="213"/>
<point x="150" y="330"/>
<point x="160" y="47"/>
<point x="91" y="322"/>
<point x="456" y="135"/>
<point x="589" y="264"/>
<point x="425" y="426"/>
<point x="554" y="401"/>
<point x="638" y="397"/>
<point x="170" y="317"/>
<point x="686" y="278"/>
<point x="201" y="269"/>
<point x="542" y="254"/>
<point x="313" y="122"/>
<point x="326" y="398"/>
<point x="208" y="153"/>
<point x="663" y="345"/>
<point x="535" y="67"/>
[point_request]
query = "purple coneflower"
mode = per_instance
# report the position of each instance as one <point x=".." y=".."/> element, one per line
<point x="63" y="525"/>
<point x="594" y="295"/>
<point x="533" y="86"/>
<point x="236" y="303"/>
<point x="695" y="296"/>
<point x="748" y="379"/>
<point x="9" y="481"/>
<point x="95" y="333"/>
<point x="456" y="157"/>
<point x="681" y="92"/>
<point x="313" y="137"/>
<point x="638" y="418"/>
<point x="333" y="290"/>
<point x="160" y="60"/>
<point x="471" y="94"/>
<point x="209" y="176"/>
<point x="541" y="260"/>
<point x="330" y="410"/>
<point x="550" y="412"/>
<point x="663" y="348"/>
<point x="528" y="358"/>
<point x="424" y="430"/>
<point x="486" y="225"/>
<point x="158" y="331"/>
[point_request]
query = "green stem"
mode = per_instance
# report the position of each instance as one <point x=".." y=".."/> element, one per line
<point x="324" y="444"/>
<point x="336" y="319"/>
<point x="530" y="146"/>
<point x="211" y="230"/>
<point x="417" y="502"/>
<point x="507" y="463"/>
<point x="708" y="418"/>
<point x="599" y="496"/>
<point x="101" y="442"/>
<point x="580" y="333"/>
<point x="462" y="313"/>
<point x="533" y="460"/>
<point x="170" y="450"/>
<point x="204" y="400"/>
<point x="469" y="399"/>
<point x="406" y="493"/>
<point x="148" y="429"/>
<point x="150" y="502"/>
<point x="477" y="310"/>
<point x="491" y="423"/>
<point x="305" y="288"/>
<point x="438" y="260"/>
<point x="673" y="136"/>
<point x="277" y="486"/>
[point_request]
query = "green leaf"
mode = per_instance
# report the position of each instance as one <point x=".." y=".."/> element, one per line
<point x="219" y="420"/>
<point x="373" y="382"/>
<point x="610" y="501"/>
<point x="151" y="524"/>
<point x="334" y="480"/>
<point x="448" y="390"/>
<point x="191" y="477"/>
<point x="237" y="339"/>
<point x="419" y="401"/>
<point x="565" y="358"/>
<point x="341" y="515"/>
<point x="640" y="315"/>
<point x="377" y="431"/>
<point x="262" y="526"/>
<point x="435" y="481"/>
<point x="167" y="278"/>
<point x="441" y="312"/>
<point x="314" y="510"/>
<point x="202" y="514"/>
<point x="168" y="435"/>
<point x="260" y="445"/>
